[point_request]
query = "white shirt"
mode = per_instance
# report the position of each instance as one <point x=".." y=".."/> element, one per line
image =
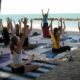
<point x="16" y="58"/>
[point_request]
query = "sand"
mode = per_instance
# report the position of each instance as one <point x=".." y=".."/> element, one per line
<point x="65" y="70"/>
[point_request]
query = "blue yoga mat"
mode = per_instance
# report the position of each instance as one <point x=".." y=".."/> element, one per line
<point x="50" y="54"/>
<point x="46" y="66"/>
<point x="41" y="44"/>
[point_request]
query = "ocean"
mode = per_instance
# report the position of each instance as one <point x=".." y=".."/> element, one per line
<point x="70" y="25"/>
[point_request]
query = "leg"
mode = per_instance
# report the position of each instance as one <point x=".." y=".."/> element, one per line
<point x="29" y="68"/>
<point x="65" y="48"/>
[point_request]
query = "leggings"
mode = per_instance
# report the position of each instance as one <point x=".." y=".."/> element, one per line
<point x="26" y="42"/>
<point x="45" y="24"/>
<point x="61" y="49"/>
<point x="18" y="70"/>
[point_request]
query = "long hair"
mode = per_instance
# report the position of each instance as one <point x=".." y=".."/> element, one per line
<point x="55" y="32"/>
<point x="13" y="43"/>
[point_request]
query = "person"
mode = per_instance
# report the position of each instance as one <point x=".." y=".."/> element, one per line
<point x="78" y="25"/>
<point x="18" y="28"/>
<point x="1" y="25"/>
<point x="45" y="30"/>
<point x="6" y="36"/>
<point x="10" y="26"/>
<point x="1" y="28"/>
<point x="45" y="18"/>
<point x="28" y="31"/>
<point x="55" y="36"/>
<point x="16" y="52"/>
<point x="1" y="54"/>
<point x="62" y="28"/>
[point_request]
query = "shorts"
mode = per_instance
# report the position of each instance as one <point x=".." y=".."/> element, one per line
<point x="18" y="70"/>
<point x="45" y="24"/>
<point x="26" y="42"/>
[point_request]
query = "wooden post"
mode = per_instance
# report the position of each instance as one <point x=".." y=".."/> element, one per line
<point x="0" y="5"/>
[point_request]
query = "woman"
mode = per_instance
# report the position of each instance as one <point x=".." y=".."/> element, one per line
<point x="17" y="28"/>
<point x="45" y="18"/>
<point x="6" y="36"/>
<point x="1" y="54"/>
<point x="45" y="30"/>
<point x="79" y="25"/>
<point x="28" y="31"/>
<point x="16" y="51"/>
<point x="55" y="35"/>
<point x="10" y="26"/>
<point x="62" y="28"/>
<point x="1" y="25"/>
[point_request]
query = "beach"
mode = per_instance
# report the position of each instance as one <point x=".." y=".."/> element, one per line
<point x="16" y="16"/>
<point x="65" y="70"/>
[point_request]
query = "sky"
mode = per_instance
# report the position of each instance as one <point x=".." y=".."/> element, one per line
<point x="35" y="6"/>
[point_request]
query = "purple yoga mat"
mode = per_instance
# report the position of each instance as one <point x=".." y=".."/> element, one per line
<point x="5" y="57"/>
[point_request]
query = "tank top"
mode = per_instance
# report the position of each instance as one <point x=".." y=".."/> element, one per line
<point x="16" y="58"/>
<point x="55" y="42"/>
<point x="45" y="19"/>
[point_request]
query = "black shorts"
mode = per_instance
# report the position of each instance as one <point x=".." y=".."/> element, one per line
<point x="45" y="24"/>
<point x="18" y="70"/>
<point x="61" y="49"/>
<point x="26" y="42"/>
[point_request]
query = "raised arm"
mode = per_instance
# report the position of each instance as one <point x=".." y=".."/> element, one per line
<point x="14" y="22"/>
<point x="20" y="44"/>
<point x="48" y="12"/>
<point x="61" y="21"/>
<point x="42" y="12"/>
<point x="64" y="25"/>
<point x="31" y="26"/>
<point x="41" y="24"/>
<point x="11" y="24"/>
<point x="78" y="25"/>
<point x="1" y="24"/>
<point x="58" y="23"/>
<point x="19" y="24"/>
<point x="50" y="26"/>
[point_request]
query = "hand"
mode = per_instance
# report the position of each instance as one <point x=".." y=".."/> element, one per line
<point x="60" y="19"/>
<point x="19" y="21"/>
<point x="41" y="9"/>
<point x="31" y="20"/>
<point x="63" y="22"/>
